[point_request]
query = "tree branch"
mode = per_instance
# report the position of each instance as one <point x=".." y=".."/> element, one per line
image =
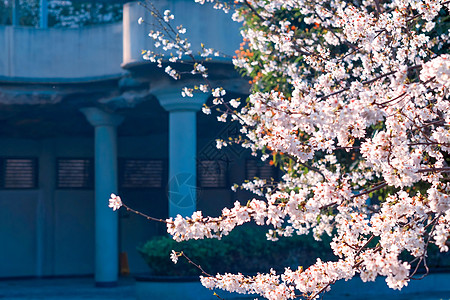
<point x="254" y="10"/>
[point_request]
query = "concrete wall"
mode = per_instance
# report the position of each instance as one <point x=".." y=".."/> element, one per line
<point x="204" y="25"/>
<point x="49" y="231"/>
<point x="18" y="219"/>
<point x="60" y="54"/>
<point x="65" y="54"/>
<point x="73" y="212"/>
<point x="18" y="233"/>
<point x="134" y="230"/>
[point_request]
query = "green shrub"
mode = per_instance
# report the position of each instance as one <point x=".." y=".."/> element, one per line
<point x="245" y="250"/>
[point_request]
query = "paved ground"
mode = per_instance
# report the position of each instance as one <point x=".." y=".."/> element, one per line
<point x="83" y="288"/>
<point x="413" y="296"/>
<point x="64" y="288"/>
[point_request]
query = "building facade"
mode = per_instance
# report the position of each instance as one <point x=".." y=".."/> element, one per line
<point x="82" y="116"/>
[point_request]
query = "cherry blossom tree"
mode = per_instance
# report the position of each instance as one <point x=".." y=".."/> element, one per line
<point x="351" y="100"/>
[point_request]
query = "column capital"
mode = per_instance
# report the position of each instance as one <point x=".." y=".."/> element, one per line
<point x="98" y="117"/>
<point x="172" y="100"/>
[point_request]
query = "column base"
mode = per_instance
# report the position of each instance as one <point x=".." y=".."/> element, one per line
<point x="105" y="284"/>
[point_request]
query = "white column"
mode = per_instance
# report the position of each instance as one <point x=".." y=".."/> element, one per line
<point x="182" y="149"/>
<point x="15" y="12"/>
<point x="43" y="14"/>
<point x="106" y="220"/>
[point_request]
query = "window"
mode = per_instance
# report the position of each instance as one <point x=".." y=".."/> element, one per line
<point x="75" y="173"/>
<point x="141" y="173"/>
<point x="260" y="169"/>
<point x="18" y="173"/>
<point x="212" y="173"/>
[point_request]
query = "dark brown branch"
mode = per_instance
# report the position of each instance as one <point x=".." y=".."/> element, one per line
<point x="369" y="81"/>
<point x="253" y="10"/>
<point x="322" y="290"/>
<point x="418" y="15"/>
<point x="378" y="187"/>
<point x="424" y="255"/>
<point x="442" y="170"/>
<point x="383" y="104"/>
<point x="377" y="6"/>
<point x="145" y="216"/>
<point x="196" y="265"/>
<point x="429" y="144"/>
<point x="309" y="167"/>
<point x="365" y="245"/>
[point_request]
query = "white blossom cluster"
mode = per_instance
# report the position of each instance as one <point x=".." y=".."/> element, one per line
<point x="368" y="78"/>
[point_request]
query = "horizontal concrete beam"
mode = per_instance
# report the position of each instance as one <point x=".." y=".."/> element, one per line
<point x="60" y="54"/>
<point x="203" y="24"/>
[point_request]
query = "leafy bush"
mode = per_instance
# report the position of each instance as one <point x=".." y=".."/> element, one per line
<point x="245" y="250"/>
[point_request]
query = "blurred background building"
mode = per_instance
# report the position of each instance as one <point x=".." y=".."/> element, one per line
<point x="82" y="116"/>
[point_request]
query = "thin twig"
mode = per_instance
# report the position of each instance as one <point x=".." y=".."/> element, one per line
<point x="365" y="245"/>
<point x="378" y="187"/>
<point x="144" y="215"/>
<point x="442" y="170"/>
<point x="196" y="265"/>
<point x="368" y="81"/>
